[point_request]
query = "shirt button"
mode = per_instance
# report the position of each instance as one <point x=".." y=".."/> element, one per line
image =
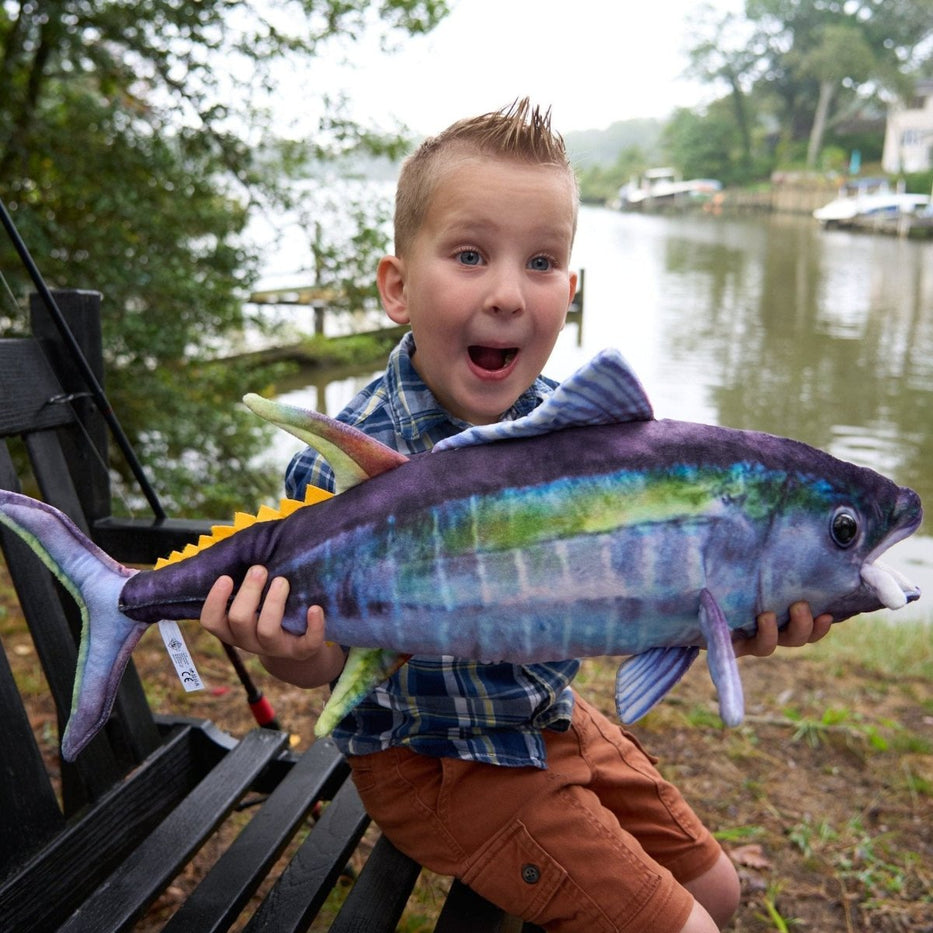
<point x="531" y="874"/>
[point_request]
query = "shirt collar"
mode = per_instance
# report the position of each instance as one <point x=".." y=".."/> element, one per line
<point x="414" y="408"/>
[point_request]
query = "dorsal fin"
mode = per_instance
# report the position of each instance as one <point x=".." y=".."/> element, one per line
<point x="242" y="520"/>
<point x="603" y="391"/>
<point x="353" y="455"/>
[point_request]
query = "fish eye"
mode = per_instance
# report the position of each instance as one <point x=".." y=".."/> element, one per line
<point x="843" y="527"/>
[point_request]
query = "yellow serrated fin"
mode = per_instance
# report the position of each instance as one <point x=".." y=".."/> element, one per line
<point x="242" y="520"/>
<point x="287" y="506"/>
<point x="314" y="494"/>
<point x="172" y="558"/>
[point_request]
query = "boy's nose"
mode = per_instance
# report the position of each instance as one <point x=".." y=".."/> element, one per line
<point x="506" y="296"/>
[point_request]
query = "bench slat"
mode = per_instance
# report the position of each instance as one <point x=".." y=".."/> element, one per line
<point x="304" y="885"/>
<point x="377" y="899"/>
<point x="149" y="868"/>
<point x="48" y="887"/>
<point x="226" y="889"/>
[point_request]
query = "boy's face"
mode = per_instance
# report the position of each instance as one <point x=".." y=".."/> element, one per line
<point x="486" y="283"/>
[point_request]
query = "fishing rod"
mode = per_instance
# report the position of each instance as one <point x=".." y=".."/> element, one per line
<point x="95" y="388"/>
<point x="261" y="708"/>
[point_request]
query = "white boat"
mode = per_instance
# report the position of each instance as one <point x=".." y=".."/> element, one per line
<point x="868" y="198"/>
<point x="659" y="188"/>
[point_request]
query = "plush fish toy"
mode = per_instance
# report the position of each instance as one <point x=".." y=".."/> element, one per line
<point x="586" y="528"/>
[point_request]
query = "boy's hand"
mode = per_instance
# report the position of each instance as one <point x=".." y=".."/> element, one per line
<point x="802" y="629"/>
<point x="255" y="624"/>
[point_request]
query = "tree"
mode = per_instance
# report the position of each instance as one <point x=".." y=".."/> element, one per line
<point x="840" y="54"/>
<point x="727" y="53"/>
<point x="707" y="144"/>
<point x="136" y="139"/>
<point x="820" y="56"/>
<point x="794" y="69"/>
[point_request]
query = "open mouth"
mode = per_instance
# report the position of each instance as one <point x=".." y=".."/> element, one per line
<point x="492" y="359"/>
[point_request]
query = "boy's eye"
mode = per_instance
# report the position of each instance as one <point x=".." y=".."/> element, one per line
<point x="469" y="257"/>
<point x="540" y="264"/>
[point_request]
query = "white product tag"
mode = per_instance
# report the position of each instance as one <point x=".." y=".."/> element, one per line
<point x="178" y="652"/>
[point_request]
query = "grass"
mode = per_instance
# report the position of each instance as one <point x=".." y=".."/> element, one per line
<point x="882" y="644"/>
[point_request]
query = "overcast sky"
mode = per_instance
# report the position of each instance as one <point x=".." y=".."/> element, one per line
<point x="593" y="61"/>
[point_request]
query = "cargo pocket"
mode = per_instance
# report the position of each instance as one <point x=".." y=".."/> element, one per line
<point x="515" y="873"/>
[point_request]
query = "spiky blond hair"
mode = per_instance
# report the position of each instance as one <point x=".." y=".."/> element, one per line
<point x="520" y="132"/>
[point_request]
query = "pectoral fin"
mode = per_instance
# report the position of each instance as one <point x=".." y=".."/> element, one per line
<point x="720" y="656"/>
<point x="644" y="679"/>
<point x="365" y="669"/>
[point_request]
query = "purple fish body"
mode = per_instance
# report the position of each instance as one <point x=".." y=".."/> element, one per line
<point x="436" y="557"/>
<point x="587" y="528"/>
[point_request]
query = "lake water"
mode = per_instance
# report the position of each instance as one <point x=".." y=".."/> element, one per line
<point x="764" y="322"/>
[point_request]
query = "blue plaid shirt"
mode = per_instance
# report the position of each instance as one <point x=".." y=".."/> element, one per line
<point x="442" y="706"/>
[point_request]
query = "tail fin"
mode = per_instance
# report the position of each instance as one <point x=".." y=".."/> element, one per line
<point x="95" y="581"/>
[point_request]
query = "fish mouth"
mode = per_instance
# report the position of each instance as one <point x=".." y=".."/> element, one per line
<point x="892" y="588"/>
<point x="492" y="359"/>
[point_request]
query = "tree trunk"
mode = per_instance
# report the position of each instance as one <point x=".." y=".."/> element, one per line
<point x="827" y="89"/>
<point x="741" y="118"/>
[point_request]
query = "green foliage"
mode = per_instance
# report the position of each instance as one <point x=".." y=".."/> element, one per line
<point x="600" y="183"/>
<point x="706" y="145"/>
<point x="919" y="182"/>
<point x="352" y="350"/>
<point x="794" y="73"/>
<point x="130" y="161"/>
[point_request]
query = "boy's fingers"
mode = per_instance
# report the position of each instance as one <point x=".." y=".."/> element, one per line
<point x="799" y="627"/>
<point x="765" y="640"/>
<point x="214" y="610"/>
<point x="316" y="622"/>
<point x="821" y="626"/>
<point x="273" y="640"/>
<point x="269" y="626"/>
<point x="245" y="604"/>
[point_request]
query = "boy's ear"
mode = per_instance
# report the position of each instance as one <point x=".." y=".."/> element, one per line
<point x="390" y="278"/>
<point x="573" y="293"/>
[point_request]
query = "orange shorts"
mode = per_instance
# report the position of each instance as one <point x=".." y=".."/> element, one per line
<point x="598" y="841"/>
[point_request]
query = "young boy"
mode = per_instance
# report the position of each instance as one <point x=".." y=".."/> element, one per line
<point x="499" y="774"/>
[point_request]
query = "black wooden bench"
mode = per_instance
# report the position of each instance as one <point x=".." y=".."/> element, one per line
<point x="90" y="845"/>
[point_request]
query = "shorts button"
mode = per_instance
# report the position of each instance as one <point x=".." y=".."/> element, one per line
<point x="531" y="874"/>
